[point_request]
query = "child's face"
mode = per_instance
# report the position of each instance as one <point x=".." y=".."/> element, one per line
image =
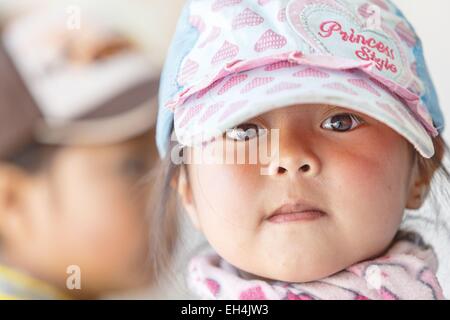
<point x="361" y="177"/>
<point x="87" y="210"/>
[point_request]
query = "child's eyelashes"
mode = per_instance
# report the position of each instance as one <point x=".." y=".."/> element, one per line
<point x="342" y="122"/>
<point x="245" y="131"/>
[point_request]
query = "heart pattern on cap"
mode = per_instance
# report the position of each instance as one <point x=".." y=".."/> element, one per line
<point x="340" y="87"/>
<point x="213" y="35"/>
<point x="191" y="113"/>
<point x="189" y="69"/>
<point x="233" y="107"/>
<point x="361" y="83"/>
<point x="226" y="52"/>
<point x="247" y="18"/>
<point x="270" y="40"/>
<point x="311" y="73"/>
<point x="211" y="111"/>
<point x="281" y="16"/>
<point x="283" y="86"/>
<point x="198" y="23"/>
<point x="232" y="82"/>
<point x="220" y="4"/>
<point x="263" y="2"/>
<point x="280" y="65"/>
<point x="257" y="82"/>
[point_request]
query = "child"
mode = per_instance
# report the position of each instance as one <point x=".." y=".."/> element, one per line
<point x="74" y="135"/>
<point x="339" y="92"/>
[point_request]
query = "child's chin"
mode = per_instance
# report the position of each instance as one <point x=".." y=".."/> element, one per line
<point x="295" y="275"/>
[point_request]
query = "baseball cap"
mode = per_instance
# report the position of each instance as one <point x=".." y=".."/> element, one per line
<point x="232" y="60"/>
<point x="60" y="86"/>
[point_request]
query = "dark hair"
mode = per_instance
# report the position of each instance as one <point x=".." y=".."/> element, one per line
<point x="437" y="173"/>
<point x="163" y="217"/>
<point x="165" y="223"/>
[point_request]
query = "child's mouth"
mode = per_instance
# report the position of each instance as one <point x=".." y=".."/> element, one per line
<point x="297" y="211"/>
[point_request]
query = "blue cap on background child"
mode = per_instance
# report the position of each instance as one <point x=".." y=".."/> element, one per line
<point x="232" y="60"/>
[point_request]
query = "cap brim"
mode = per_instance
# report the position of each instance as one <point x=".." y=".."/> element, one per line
<point x="240" y="97"/>
<point x="123" y="117"/>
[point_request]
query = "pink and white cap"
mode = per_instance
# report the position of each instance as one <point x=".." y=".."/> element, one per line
<point x="253" y="56"/>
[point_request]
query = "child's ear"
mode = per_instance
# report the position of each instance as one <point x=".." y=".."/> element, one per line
<point x="417" y="195"/>
<point x="185" y="191"/>
<point x="13" y="182"/>
<point x="420" y="185"/>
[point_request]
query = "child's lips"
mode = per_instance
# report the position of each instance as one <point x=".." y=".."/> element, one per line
<point x="297" y="211"/>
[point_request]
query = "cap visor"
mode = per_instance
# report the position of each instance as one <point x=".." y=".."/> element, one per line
<point x="239" y="97"/>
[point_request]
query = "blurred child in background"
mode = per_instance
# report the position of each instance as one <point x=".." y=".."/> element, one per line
<point x="74" y="136"/>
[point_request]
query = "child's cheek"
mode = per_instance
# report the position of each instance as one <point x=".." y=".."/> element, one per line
<point x="228" y="201"/>
<point x="368" y="188"/>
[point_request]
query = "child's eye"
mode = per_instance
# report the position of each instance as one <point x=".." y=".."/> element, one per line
<point x="342" y="122"/>
<point x="244" y="132"/>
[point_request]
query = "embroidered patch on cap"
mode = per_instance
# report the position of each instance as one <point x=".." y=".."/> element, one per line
<point x="331" y="28"/>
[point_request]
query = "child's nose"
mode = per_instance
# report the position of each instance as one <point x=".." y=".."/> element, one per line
<point x="296" y="155"/>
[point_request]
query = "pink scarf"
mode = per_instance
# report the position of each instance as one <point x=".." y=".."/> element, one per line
<point x="407" y="271"/>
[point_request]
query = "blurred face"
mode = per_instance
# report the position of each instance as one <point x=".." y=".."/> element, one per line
<point x="335" y="196"/>
<point x="88" y="211"/>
